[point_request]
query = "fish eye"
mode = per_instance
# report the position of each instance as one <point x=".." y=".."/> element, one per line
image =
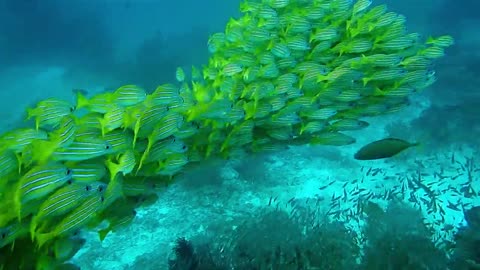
<point x="184" y="147"/>
<point x="4" y="235"/>
<point x="107" y="147"/>
<point x="102" y="199"/>
<point x="168" y="108"/>
<point x="73" y="108"/>
<point x="69" y="172"/>
<point x="69" y="182"/>
<point x="100" y="188"/>
<point x="88" y="188"/>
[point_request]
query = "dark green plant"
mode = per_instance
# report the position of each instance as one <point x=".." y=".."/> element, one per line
<point x="398" y="239"/>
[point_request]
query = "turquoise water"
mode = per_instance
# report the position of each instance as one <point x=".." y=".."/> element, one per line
<point x="48" y="48"/>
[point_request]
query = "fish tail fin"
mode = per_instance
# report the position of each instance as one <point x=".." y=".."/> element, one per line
<point x="142" y="159"/>
<point x="365" y="80"/>
<point x="20" y="162"/>
<point x="103" y="233"/>
<point x="33" y="228"/>
<point x="378" y="92"/>
<point x="17" y="205"/>
<point x="113" y="167"/>
<point x="135" y="132"/>
<point x="144" y="156"/>
<point x="420" y="147"/>
<point x="43" y="238"/>
<point x="30" y="113"/>
<point x="82" y="100"/>
<point x="102" y="122"/>
<point x="13" y="246"/>
<point x="42" y="150"/>
<point x="420" y="144"/>
<point x="430" y="40"/>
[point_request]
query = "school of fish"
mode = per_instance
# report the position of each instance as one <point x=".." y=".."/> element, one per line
<point x="286" y="72"/>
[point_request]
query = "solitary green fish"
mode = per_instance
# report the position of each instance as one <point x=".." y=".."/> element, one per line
<point x="382" y="149"/>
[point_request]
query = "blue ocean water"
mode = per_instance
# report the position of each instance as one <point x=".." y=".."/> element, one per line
<point x="50" y="47"/>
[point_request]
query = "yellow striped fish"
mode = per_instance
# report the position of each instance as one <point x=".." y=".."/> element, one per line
<point x="125" y="165"/>
<point x="128" y="95"/>
<point x="77" y="219"/>
<point x="87" y="172"/>
<point x="39" y="182"/>
<point x="62" y="201"/>
<point x="82" y="150"/>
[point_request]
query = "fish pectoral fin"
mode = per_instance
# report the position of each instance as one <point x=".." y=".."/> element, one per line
<point x="103" y="233"/>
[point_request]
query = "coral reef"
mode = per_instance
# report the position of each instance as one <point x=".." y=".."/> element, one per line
<point x="285" y="73"/>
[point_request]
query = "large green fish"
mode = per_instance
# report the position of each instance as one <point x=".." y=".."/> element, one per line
<point x="383" y="149"/>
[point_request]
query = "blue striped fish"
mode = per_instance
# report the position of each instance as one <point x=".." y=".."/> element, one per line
<point x="11" y="232"/>
<point x="129" y="95"/>
<point x="87" y="172"/>
<point x="165" y="128"/>
<point x="163" y="95"/>
<point x="49" y="112"/>
<point x="119" y="140"/>
<point x="39" y="182"/>
<point x="8" y="163"/>
<point x="77" y="219"/>
<point x="84" y="150"/>
<point x="65" y="133"/>
<point x="125" y="165"/>
<point x="62" y="201"/>
<point x="18" y="139"/>
<point x="112" y="120"/>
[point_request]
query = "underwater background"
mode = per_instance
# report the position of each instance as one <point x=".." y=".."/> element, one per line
<point x="299" y="207"/>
